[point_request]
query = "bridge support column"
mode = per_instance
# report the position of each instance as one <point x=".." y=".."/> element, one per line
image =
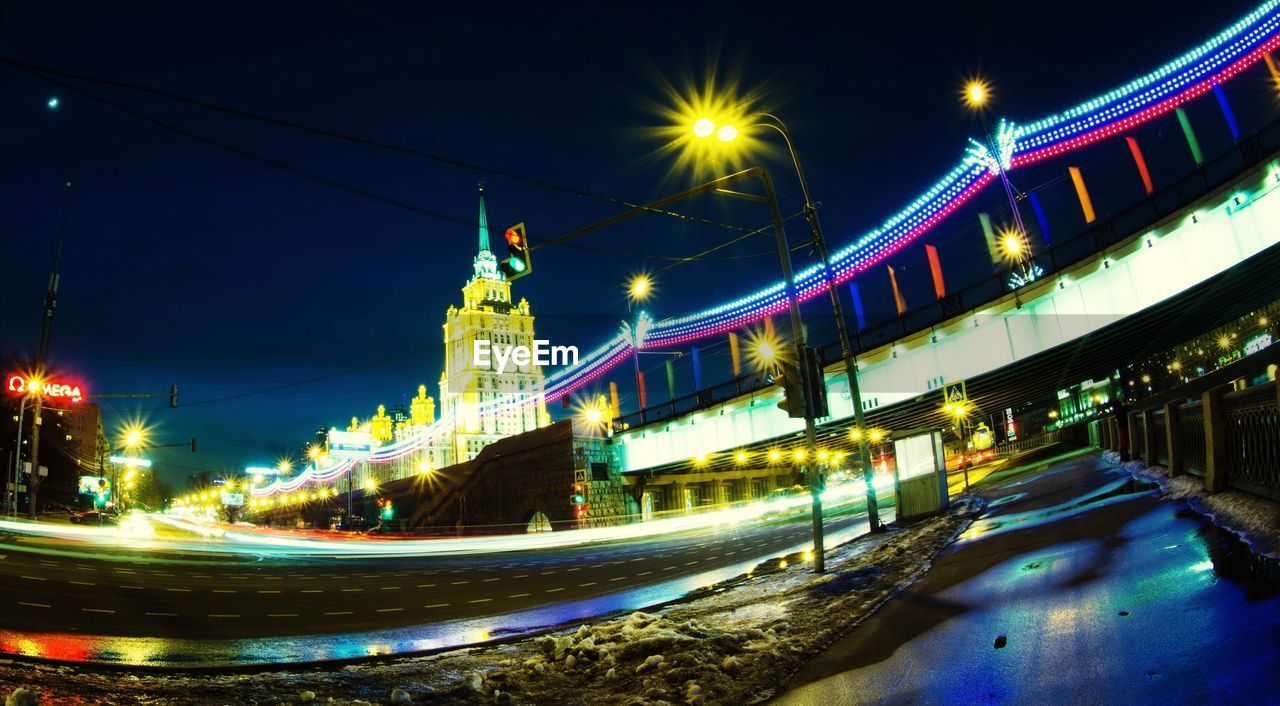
<point x="1113" y="433"/>
<point x="1150" y="452"/>
<point x="1173" y="437"/>
<point x="678" y="499"/>
<point x="1215" y="441"/>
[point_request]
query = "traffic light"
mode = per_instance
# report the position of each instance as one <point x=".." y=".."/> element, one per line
<point x="518" y="264"/>
<point x="387" y="510"/>
<point x="578" y="497"/>
<point x="788" y="377"/>
<point x="804" y="388"/>
<point x="173" y="395"/>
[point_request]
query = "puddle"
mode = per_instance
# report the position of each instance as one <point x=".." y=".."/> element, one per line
<point x="1258" y="576"/>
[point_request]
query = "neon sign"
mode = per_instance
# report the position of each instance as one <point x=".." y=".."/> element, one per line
<point x="21" y="385"/>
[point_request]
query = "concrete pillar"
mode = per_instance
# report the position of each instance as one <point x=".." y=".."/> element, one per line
<point x="1172" y="435"/>
<point x="1151" y="453"/>
<point x="1133" y="438"/>
<point x="677" y="491"/>
<point x="1215" y="441"/>
<point x="1113" y="433"/>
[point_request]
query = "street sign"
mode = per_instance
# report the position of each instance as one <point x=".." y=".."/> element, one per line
<point x="231" y="499"/>
<point x="953" y="393"/>
<point x="580" y="476"/>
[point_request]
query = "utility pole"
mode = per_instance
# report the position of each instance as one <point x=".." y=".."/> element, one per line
<point x="842" y="331"/>
<point x="50" y="303"/>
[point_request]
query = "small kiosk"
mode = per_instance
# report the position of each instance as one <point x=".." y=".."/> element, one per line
<point x="920" y="476"/>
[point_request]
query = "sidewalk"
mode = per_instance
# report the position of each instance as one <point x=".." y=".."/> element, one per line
<point x="1079" y="585"/>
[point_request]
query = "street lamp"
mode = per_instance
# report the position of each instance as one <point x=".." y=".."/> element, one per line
<point x="727" y="133"/>
<point x="976" y="97"/>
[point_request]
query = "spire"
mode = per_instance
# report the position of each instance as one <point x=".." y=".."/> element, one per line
<point x="484" y="222"/>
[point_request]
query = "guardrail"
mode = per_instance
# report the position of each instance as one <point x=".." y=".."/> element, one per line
<point x="1213" y="174"/>
<point x="1230" y="436"/>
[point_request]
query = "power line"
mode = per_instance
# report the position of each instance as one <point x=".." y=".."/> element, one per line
<point x="45" y="72"/>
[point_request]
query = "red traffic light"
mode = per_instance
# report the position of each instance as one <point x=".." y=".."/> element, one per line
<point x="514" y="237"/>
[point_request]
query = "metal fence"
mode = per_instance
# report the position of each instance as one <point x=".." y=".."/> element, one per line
<point x="1252" y="427"/>
<point x="1191" y="437"/>
<point x="1161" y="438"/>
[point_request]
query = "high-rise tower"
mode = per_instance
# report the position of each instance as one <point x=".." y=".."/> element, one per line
<point x="484" y="404"/>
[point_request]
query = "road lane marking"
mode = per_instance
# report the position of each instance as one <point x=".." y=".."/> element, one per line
<point x="521" y="576"/>
<point x="488" y="580"/>
<point x="352" y="590"/>
<point x="179" y="590"/>
<point x="339" y="612"/>
<point x="458" y="583"/>
<point x="312" y="590"/>
<point x="282" y="615"/>
<point x="97" y="610"/>
<point x="225" y="590"/>
<point x="425" y="585"/>
<point x="266" y="590"/>
<point x="35" y="578"/>
<point x="576" y="568"/>
<point x="83" y="583"/>
<point x="437" y="605"/>
<point x="389" y="588"/>
<point x="596" y="566"/>
<point x="136" y="588"/>
<point x="34" y="605"/>
<point x="618" y="578"/>
<point x="713" y="557"/>
<point x="644" y="573"/>
<point x="480" y="600"/>
<point x="668" y="568"/>
<point x="164" y="615"/>
<point x="519" y="595"/>
<point x="553" y="590"/>
<point x="584" y="585"/>
<point x="389" y="610"/>
<point x="224" y="615"/>
<point x="547" y="573"/>
<point x="691" y="563"/>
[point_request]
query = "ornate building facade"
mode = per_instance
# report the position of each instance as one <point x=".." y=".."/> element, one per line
<point x="487" y="405"/>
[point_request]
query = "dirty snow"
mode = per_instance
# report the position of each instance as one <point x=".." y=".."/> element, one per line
<point x="734" y="643"/>
<point x="1255" y="519"/>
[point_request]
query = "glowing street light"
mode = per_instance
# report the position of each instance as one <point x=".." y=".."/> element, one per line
<point x="976" y="93"/>
<point x="640" y="288"/>
<point x="53" y="103"/>
<point x="704" y="127"/>
<point x="1011" y="242"/>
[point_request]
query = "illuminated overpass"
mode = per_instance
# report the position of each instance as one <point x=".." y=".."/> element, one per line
<point x="1123" y="276"/>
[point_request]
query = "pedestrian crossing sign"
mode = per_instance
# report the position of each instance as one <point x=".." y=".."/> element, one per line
<point x="953" y="393"/>
<point x="580" y="476"/>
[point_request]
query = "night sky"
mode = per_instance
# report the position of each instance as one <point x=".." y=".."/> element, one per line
<point x="185" y="263"/>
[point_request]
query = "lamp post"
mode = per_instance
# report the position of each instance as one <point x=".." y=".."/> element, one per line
<point x="638" y="290"/>
<point x="977" y="95"/>
<point x="704" y="128"/>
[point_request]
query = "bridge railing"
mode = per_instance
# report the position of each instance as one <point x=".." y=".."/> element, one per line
<point x="1215" y="173"/>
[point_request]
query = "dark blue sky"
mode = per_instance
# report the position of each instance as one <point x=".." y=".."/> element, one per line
<point x="186" y="264"/>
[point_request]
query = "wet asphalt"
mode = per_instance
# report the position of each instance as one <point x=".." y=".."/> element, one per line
<point x="1078" y="584"/>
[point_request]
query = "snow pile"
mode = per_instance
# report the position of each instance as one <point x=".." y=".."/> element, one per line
<point x="1255" y="519"/>
<point x="732" y="643"/>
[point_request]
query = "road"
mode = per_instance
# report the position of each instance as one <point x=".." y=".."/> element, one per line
<point x="147" y="606"/>
<point x="1078" y="585"/>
